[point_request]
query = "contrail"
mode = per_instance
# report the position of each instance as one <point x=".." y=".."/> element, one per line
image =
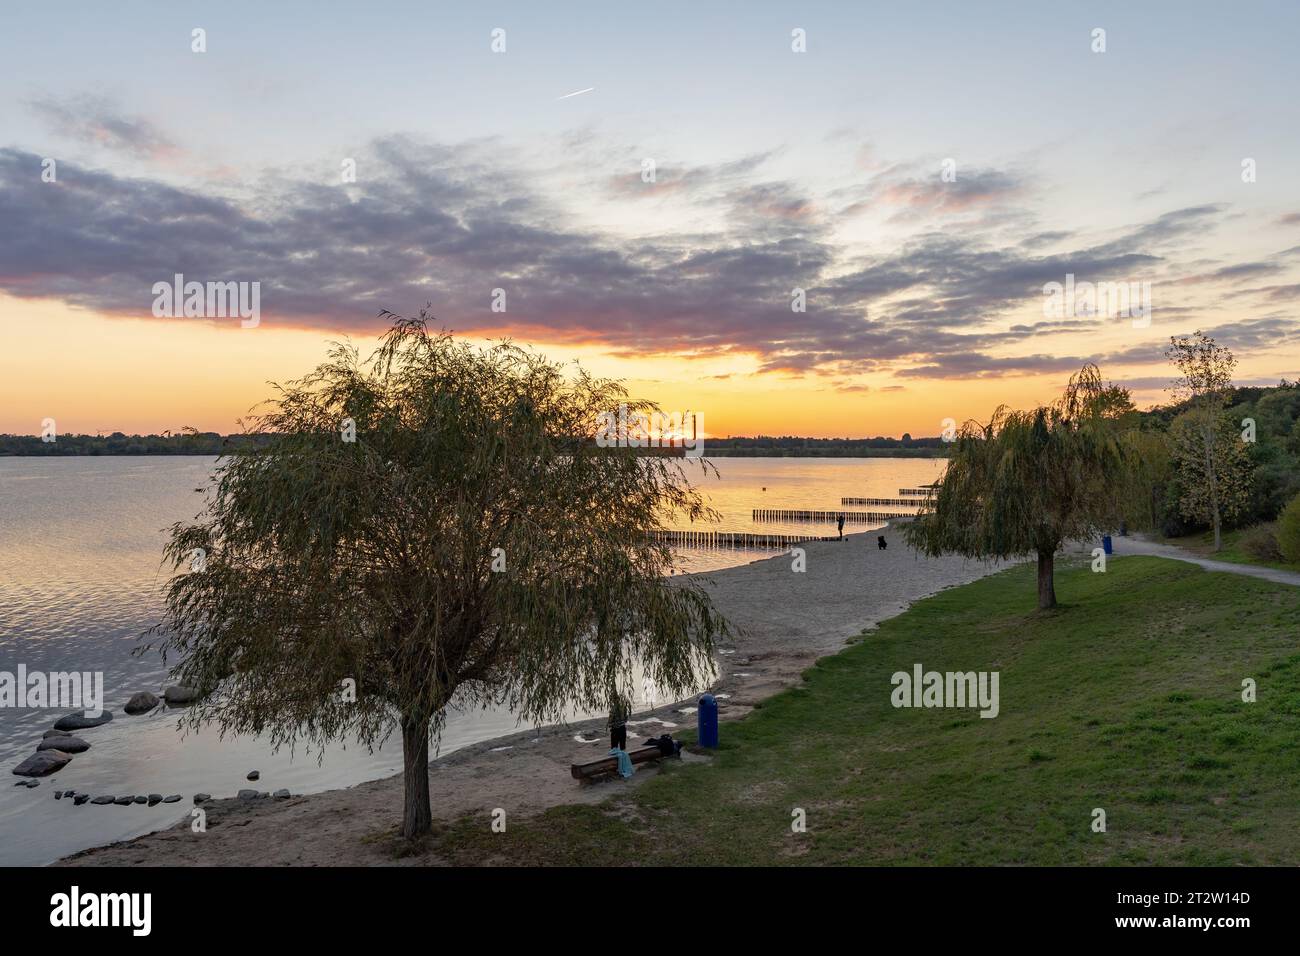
<point x="575" y="93"/>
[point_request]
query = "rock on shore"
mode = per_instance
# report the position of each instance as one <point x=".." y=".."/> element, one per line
<point x="141" y="703"/>
<point x="79" y="721"/>
<point x="43" y="763"/>
<point x="176" y="695"/>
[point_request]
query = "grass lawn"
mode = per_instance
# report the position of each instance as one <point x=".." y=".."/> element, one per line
<point x="1127" y="697"/>
<point x="1202" y="545"/>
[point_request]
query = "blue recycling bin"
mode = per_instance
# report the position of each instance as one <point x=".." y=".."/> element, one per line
<point x="708" y="720"/>
<point x="1106" y="544"/>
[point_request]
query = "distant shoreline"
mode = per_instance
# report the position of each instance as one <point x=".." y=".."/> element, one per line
<point x="190" y="443"/>
<point x="926" y="453"/>
<point x="909" y="453"/>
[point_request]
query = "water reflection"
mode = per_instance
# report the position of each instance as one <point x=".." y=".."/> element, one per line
<point x="80" y="577"/>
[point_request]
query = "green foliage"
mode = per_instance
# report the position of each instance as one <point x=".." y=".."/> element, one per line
<point x="1275" y="453"/>
<point x="1028" y="481"/>
<point x="472" y="544"/>
<point x="1288" y="531"/>
<point x="1213" y="466"/>
<point x="1272" y="460"/>
<point x="1209" y="456"/>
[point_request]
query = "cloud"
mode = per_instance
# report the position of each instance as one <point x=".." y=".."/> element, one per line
<point x="701" y="182"/>
<point x="1235" y="273"/>
<point x="1280" y="293"/>
<point x="92" y="119"/>
<point x="448" y="224"/>
<point x="979" y="187"/>
<point x="1256" y="335"/>
<point x="975" y="365"/>
<point x="1167" y="228"/>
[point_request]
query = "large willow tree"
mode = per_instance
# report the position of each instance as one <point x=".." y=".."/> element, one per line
<point x="433" y="523"/>
<point x="1029" y="481"/>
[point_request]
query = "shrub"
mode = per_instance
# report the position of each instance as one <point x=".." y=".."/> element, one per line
<point x="1288" y="531"/>
<point x="1169" y="519"/>
<point x="1260" y="542"/>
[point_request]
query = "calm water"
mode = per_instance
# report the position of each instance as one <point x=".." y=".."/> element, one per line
<point x="80" y="573"/>
<point x="795" y="484"/>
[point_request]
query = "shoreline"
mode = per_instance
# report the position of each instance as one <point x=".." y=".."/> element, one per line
<point x="784" y="622"/>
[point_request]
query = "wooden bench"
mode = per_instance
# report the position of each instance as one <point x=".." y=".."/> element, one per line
<point x="597" y="768"/>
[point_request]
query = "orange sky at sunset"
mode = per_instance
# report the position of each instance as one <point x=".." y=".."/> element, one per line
<point x="734" y="230"/>
<point x="96" y="373"/>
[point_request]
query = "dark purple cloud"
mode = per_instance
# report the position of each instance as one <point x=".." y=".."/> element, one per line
<point x="449" y="224"/>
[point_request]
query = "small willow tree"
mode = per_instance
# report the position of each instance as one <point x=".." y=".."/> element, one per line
<point x="1029" y="481"/>
<point x="433" y="524"/>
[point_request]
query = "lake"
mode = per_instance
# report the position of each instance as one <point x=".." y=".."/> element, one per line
<point x="80" y="577"/>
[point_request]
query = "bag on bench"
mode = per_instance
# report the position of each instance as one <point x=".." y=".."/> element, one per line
<point x="667" y="746"/>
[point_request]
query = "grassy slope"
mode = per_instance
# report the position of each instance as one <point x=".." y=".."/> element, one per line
<point x="1127" y="698"/>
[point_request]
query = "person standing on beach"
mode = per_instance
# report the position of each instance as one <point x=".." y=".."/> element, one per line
<point x="840" y="525"/>
<point x="618" y="724"/>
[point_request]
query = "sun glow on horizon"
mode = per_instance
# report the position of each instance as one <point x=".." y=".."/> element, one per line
<point x="103" y="373"/>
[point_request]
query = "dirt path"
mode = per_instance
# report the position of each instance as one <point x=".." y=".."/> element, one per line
<point x="786" y="620"/>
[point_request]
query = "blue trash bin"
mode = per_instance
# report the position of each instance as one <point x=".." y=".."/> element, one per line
<point x="1106" y="544"/>
<point x="708" y="721"/>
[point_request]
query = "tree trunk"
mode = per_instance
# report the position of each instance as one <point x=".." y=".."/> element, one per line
<point x="1046" y="584"/>
<point x="1212" y="477"/>
<point x="417" y="817"/>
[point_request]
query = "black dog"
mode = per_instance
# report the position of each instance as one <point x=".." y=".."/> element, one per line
<point x="880" y="542"/>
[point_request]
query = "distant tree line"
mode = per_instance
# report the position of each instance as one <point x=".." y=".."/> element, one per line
<point x="788" y="446"/>
<point x="191" y="442"/>
<point x="1262" y="473"/>
<point x="185" y="442"/>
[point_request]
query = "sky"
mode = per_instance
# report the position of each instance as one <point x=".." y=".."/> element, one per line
<point x="647" y="186"/>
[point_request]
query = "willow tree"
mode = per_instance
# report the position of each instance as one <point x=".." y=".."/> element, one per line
<point x="432" y="525"/>
<point x="1027" y="482"/>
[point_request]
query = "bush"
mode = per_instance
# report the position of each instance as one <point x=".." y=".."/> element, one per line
<point x="1288" y="531"/>
<point x="1169" y="519"/>
<point x="1260" y="542"/>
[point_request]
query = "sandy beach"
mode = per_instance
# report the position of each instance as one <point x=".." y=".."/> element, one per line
<point x="784" y="622"/>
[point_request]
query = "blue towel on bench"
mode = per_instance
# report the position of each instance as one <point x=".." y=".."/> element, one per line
<point x="625" y="768"/>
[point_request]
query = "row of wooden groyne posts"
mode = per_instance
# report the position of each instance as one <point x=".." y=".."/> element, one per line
<point x="910" y="497"/>
<point x="735" y="539"/>
<point x="850" y="517"/>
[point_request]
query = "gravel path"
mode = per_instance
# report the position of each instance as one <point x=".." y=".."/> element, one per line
<point x="1141" y="545"/>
